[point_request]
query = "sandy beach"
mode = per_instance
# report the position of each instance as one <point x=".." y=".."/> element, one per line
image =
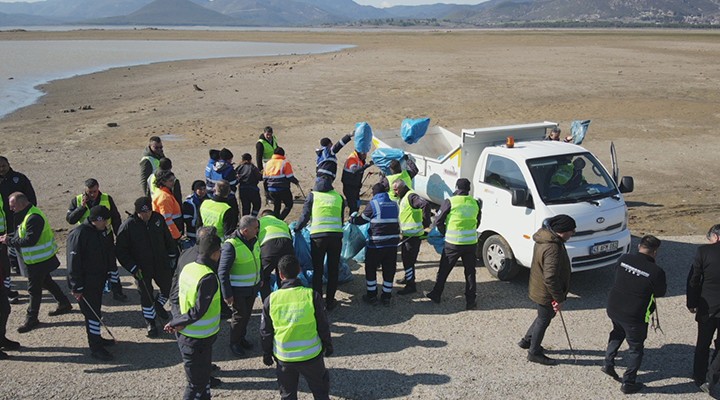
<point x="655" y="94"/>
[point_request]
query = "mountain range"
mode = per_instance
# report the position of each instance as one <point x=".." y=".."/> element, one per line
<point x="298" y="13"/>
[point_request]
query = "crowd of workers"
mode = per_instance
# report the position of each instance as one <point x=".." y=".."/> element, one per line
<point x="209" y="255"/>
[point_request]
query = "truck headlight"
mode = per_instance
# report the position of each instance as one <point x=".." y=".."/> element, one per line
<point x="625" y="221"/>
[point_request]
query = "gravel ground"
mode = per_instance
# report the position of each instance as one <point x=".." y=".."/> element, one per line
<point x="414" y="349"/>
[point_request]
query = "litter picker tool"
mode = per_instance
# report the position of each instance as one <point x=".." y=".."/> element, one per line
<point x="99" y="319"/>
<point x="301" y="191"/>
<point x="572" y="352"/>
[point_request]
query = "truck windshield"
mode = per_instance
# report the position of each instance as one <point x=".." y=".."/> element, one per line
<point x="571" y="178"/>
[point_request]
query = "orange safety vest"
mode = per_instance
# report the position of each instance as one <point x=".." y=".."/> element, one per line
<point x="353" y="163"/>
<point x="165" y="204"/>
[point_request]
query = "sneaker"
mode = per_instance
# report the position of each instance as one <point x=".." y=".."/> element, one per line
<point x="408" y="289"/>
<point x="245" y="344"/>
<point x="62" y="308"/>
<point x="237" y="350"/>
<point x="161" y="311"/>
<point x="13" y="297"/>
<point x="30" y="324"/>
<point x="7" y="344"/>
<point x="215" y="382"/>
<point x="633" y="387"/>
<point x="433" y="296"/>
<point x="372" y="300"/>
<point x="101" y="354"/>
<point x="541" y="359"/>
<point x="610" y="371"/>
<point x="119" y="296"/>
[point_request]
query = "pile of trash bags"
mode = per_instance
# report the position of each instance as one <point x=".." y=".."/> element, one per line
<point x="383" y="156"/>
<point x="301" y="243"/>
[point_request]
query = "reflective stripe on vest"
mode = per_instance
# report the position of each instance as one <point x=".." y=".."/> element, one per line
<point x="194" y="217"/>
<point x="272" y="228"/>
<point x="104" y="201"/>
<point x="189" y="280"/>
<point x="213" y="214"/>
<point x="151" y="185"/>
<point x="410" y="218"/>
<point x="384" y="214"/>
<point x="268" y="148"/>
<point x="405" y="176"/>
<point x="3" y="222"/>
<point x="462" y="221"/>
<point x="245" y="271"/>
<point x="292" y="312"/>
<point x="353" y="163"/>
<point x="326" y="212"/>
<point x="45" y="248"/>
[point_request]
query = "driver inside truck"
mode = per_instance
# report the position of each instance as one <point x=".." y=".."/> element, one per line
<point x="569" y="174"/>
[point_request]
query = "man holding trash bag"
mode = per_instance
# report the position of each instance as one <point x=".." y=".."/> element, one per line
<point x="414" y="218"/>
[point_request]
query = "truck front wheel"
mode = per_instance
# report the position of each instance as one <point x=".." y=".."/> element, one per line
<point x="499" y="259"/>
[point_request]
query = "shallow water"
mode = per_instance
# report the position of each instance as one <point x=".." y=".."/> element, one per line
<point x="27" y="64"/>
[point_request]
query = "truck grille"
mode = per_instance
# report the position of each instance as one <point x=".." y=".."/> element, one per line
<point x="591" y="232"/>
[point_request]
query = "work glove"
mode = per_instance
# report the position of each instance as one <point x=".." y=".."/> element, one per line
<point x="268" y="360"/>
<point x="329" y="351"/>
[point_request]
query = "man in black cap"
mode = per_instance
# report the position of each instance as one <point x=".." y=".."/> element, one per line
<point x="549" y="281"/>
<point x="145" y="248"/>
<point x="90" y="255"/>
<point x="249" y="176"/>
<point x="638" y="281"/>
<point x="458" y="219"/>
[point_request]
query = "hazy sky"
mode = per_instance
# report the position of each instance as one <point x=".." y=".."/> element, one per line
<point x="376" y="3"/>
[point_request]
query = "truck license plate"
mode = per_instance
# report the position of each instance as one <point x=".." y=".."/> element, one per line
<point x="606" y="247"/>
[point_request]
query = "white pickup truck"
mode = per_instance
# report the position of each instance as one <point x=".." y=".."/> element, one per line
<point x="520" y="186"/>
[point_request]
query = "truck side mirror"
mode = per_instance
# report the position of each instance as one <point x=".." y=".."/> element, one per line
<point x="627" y="184"/>
<point x="519" y="198"/>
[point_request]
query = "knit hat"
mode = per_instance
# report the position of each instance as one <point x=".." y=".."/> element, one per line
<point x="99" y="213"/>
<point x="226" y="155"/>
<point x="325" y="142"/>
<point x="561" y="223"/>
<point x="378" y="188"/>
<point x="246" y="157"/>
<point x="197" y="185"/>
<point x="463" y="184"/>
<point x="143" y="204"/>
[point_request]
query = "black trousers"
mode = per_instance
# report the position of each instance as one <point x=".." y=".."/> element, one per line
<point x="352" y="197"/>
<point x="450" y="256"/>
<point x="92" y="293"/>
<point x="329" y="246"/>
<point x="250" y="199"/>
<point x="39" y="278"/>
<point x="706" y="330"/>
<point x="270" y="254"/>
<point x="197" y="360"/>
<point x="4" y="311"/>
<point x="536" y="332"/>
<point x="242" y="306"/>
<point x="387" y="259"/>
<point x="314" y="372"/>
<point x="279" y="198"/>
<point x="635" y="335"/>
<point x="163" y="279"/>
<point x="409" y="254"/>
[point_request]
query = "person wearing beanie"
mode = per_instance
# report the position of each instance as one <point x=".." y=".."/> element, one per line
<point x="458" y="219"/>
<point x="79" y="211"/>
<point x="327" y="155"/>
<point x="165" y="203"/>
<point x="195" y="304"/>
<point x="549" y="281"/>
<point x="278" y="175"/>
<point x="145" y="248"/>
<point x="248" y="178"/>
<point x="326" y="233"/>
<point x="90" y="256"/>
<point x="382" y="243"/>
<point x="223" y="170"/>
<point x="191" y="212"/>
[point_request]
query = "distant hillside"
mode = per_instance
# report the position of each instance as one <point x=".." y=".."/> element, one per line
<point x="170" y="12"/>
<point x="272" y="12"/>
<point x="74" y="9"/>
<point x="25" y="20"/>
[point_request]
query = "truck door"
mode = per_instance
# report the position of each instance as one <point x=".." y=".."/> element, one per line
<point x="514" y="223"/>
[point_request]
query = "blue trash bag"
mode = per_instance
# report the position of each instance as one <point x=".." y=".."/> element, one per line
<point x="382" y="157"/>
<point x="363" y="137"/>
<point x="360" y="256"/>
<point x="578" y="129"/>
<point x="436" y="240"/>
<point x="302" y="249"/>
<point x="353" y="241"/>
<point x="412" y="130"/>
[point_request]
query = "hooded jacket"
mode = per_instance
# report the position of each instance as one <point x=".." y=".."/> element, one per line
<point x="321" y="185"/>
<point x="550" y="268"/>
<point x="221" y="170"/>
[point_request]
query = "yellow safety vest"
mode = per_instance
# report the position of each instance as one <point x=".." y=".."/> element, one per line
<point x="189" y="280"/>
<point x="293" y="317"/>
<point x="268" y="149"/>
<point x="410" y="218"/>
<point x="213" y="213"/>
<point x="245" y="271"/>
<point x="462" y="221"/>
<point x="104" y="201"/>
<point x="45" y="248"/>
<point x="405" y="176"/>
<point x="3" y="221"/>
<point x="272" y="228"/>
<point x="326" y="212"/>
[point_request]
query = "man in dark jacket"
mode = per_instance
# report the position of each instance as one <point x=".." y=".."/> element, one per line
<point x="327" y="156"/>
<point x="278" y="175"/>
<point x="90" y="255"/>
<point x="150" y="162"/>
<point x="191" y="211"/>
<point x="275" y="242"/>
<point x="249" y="176"/>
<point x="414" y="218"/>
<point x="218" y="211"/>
<point x="325" y="206"/>
<point x="296" y="314"/>
<point x="265" y="147"/>
<point x="147" y="250"/>
<point x="457" y="220"/>
<point x="223" y="170"/>
<point x="79" y="211"/>
<point x="638" y="282"/>
<point x="5" y="343"/>
<point x="195" y="304"/>
<point x="382" y="242"/>
<point x="35" y="244"/>
<point x="703" y="300"/>
<point x="352" y="178"/>
<point x="549" y="281"/>
<point x="12" y="181"/>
